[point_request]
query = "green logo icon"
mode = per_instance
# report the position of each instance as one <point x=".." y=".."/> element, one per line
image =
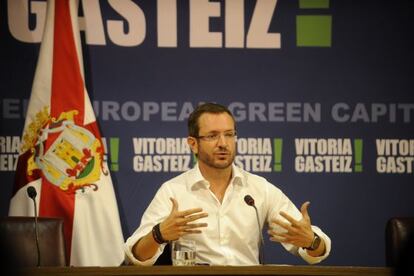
<point x="277" y="152"/>
<point x="358" y="155"/>
<point x="114" y="153"/>
<point x="314" y="30"/>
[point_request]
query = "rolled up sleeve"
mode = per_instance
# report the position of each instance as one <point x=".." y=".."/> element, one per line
<point x="314" y="260"/>
<point x="129" y="256"/>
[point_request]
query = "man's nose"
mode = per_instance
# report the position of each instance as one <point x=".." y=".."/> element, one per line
<point x="222" y="139"/>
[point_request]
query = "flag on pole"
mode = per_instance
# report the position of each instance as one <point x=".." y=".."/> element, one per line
<point x="61" y="151"/>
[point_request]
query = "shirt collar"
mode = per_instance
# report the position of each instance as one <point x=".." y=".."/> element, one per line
<point x="195" y="178"/>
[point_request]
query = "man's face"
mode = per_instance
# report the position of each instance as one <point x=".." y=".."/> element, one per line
<point x="216" y="145"/>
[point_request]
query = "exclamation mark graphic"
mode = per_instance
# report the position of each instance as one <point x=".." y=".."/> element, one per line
<point x="314" y="30"/>
<point x="114" y="152"/>
<point x="277" y="152"/>
<point x="358" y="155"/>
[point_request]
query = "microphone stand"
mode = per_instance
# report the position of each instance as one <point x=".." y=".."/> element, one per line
<point x="250" y="201"/>
<point x="261" y="251"/>
<point x="31" y="191"/>
<point x="37" y="234"/>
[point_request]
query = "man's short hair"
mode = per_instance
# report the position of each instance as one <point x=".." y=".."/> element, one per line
<point x="193" y="126"/>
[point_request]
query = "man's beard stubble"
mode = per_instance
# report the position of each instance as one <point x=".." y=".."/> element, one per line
<point x="209" y="160"/>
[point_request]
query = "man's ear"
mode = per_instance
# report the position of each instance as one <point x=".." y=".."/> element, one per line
<point x="192" y="143"/>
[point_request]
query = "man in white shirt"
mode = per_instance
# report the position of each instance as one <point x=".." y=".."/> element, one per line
<point x="207" y="204"/>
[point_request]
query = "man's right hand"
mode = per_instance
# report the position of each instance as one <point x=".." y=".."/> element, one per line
<point x="180" y="223"/>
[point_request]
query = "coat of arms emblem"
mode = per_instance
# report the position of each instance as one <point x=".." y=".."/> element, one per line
<point x="69" y="155"/>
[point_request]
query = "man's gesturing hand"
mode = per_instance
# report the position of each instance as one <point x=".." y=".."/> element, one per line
<point x="298" y="232"/>
<point x="179" y="223"/>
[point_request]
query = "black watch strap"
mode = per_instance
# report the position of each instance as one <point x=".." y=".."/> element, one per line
<point x="156" y="234"/>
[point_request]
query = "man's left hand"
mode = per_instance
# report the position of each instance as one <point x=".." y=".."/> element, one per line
<point x="297" y="232"/>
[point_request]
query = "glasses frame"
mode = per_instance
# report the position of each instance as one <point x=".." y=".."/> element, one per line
<point x="214" y="137"/>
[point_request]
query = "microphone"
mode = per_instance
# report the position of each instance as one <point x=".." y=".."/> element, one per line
<point x="31" y="192"/>
<point x="250" y="201"/>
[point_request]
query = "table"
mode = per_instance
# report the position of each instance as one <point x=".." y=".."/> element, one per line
<point x="213" y="270"/>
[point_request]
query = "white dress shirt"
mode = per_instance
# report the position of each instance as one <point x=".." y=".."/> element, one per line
<point x="232" y="235"/>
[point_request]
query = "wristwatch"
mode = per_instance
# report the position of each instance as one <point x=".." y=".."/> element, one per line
<point x="156" y="234"/>
<point x="315" y="242"/>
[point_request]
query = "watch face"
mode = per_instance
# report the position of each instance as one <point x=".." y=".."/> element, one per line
<point x="316" y="242"/>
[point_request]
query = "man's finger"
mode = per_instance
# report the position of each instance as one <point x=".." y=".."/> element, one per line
<point x="277" y="238"/>
<point x="304" y="209"/>
<point x="174" y="205"/>
<point x="284" y="225"/>
<point x="191" y="231"/>
<point x="189" y="212"/>
<point x="196" y="217"/>
<point x="196" y="225"/>
<point x="293" y="221"/>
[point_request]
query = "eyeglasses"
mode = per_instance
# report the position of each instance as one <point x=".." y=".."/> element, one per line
<point x="213" y="137"/>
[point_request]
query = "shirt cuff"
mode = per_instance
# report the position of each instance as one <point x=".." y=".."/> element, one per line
<point x="130" y="258"/>
<point x="314" y="260"/>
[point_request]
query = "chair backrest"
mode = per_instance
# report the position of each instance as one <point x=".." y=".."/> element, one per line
<point x="19" y="234"/>
<point x="398" y="233"/>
